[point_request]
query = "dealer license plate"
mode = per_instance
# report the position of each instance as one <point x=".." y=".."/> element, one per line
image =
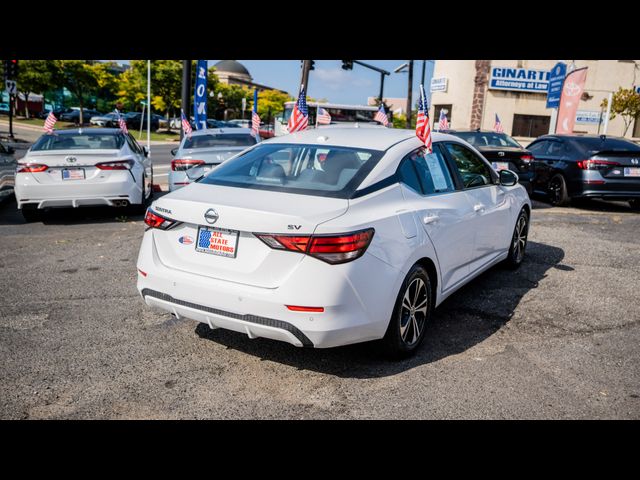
<point x="500" y="165"/>
<point x="73" y="174"/>
<point x="631" y="171"/>
<point x="218" y="241"/>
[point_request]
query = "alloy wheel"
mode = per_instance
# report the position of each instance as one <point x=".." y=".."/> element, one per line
<point x="414" y="311"/>
<point x="520" y="238"/>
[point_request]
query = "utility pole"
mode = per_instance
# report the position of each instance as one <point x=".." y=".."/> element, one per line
<point x="409" y="93"/>
<point x="424" y="66"/>
<point x="186" y="88"/>
<point x="306" y="66"/>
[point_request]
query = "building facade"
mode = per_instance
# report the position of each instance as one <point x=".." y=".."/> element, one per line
<point x="472" y="92"/>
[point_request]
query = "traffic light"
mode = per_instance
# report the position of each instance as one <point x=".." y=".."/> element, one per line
<point x="11" y="69"/>
<point x="347" y="64"/>
<point x="311" y="65"/>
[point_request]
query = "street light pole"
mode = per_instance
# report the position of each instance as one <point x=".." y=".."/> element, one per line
<point x="306" y="66"/>
<point x="381" y="87"/>
<point x="409" y="94"/>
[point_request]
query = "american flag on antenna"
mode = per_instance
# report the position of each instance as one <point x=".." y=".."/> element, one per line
<point x="50" y="122"/>
<point x="255" y="123"/>
<point x="381" y="116"/>
<point x="300" y="116"/>
<point x="186" y="126"/>
<point x="423" y="130"/>
<point x="497" y="127"/>
<point x="121" y="123"/>
<point x="323" y="116"/>
<point x="444" y="123"/>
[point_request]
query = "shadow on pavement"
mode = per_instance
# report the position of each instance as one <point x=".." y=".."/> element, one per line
<point x="586" y="205"/>
<point x="465" y="319"/>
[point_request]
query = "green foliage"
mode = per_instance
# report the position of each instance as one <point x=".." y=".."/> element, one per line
<point x="626" y="103"/>
<point x="270" y="103"/>
<point x="230" y="100"/>
<point x="34" y="76"/>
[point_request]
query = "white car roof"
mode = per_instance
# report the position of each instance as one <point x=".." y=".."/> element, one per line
<point x="366" y="138"/>
<point x="219" y="131"/>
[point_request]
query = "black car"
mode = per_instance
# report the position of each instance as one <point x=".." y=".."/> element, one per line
<point x="587" y="166"/>
<point x="502" y="151"/>
<point x="133" y="120"/>
<point x="74" y="115"/>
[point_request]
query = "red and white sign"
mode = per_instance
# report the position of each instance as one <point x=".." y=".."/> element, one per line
<point x="570" y="99"/>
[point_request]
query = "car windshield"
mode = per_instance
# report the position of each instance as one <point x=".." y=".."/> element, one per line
<point x="79" y="141"/>
<point x="487" y="139"/>
<point x="319" y="170"/>
<point x="210" y="140"/>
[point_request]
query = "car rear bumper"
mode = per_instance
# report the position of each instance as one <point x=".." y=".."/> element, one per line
<point x="610" y="189"/>
<point x="44" y="195"/>
<point x="356" y="308"/>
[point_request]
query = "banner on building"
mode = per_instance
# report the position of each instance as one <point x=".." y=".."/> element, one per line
<point x="519" y="79"/>
<point x="571" y="94"/>
<point x="200" y="96"/>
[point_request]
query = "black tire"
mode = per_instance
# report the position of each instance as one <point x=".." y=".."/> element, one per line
<point x="31" y="213"/>
<point x="558" y="194"/>
<point x="400" y="340"/>
<point x="518" y="241"/>
<point x="635" y="204"/>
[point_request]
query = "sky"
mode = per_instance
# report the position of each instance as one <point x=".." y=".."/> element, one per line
<point x="328" y="80"/>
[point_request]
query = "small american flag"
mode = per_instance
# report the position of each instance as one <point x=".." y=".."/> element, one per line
<point x="323" y="116"/>
<point x="444" y="123"/>
<point x="50" y="122"/>
<point x="300" y="116"/>
<point x="423" y="130"/>
<point x="255" y="123"/>
<point x="381" y="116"/>
<point x="186" y="126"/>
<point x="497" y="127"/>
<point x="121" y="123"/>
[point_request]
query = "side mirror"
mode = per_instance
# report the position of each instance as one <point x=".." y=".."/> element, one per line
<point x="508" y="178"/>
<point x="174" y="151"/>
<point x="145" y="150"/>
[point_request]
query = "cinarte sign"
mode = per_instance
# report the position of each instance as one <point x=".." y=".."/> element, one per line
<point x="519" y="79"/>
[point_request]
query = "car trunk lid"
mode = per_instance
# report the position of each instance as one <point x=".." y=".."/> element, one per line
<point x="512" y="158"/>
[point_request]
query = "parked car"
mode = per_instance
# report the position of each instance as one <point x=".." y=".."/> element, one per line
<point x="4" y="108"/>
<point x="587" y="166"/>
<point x="7" y="171"/>
<point x="361" y="246"/>
<point x="133" y="120"/>
<point x="266" y="131"/>
<point x="204" y="150"/>
<point x="79" y="167"/>
<point x="243" y="123"/>
<point x="74" y="115"/>
<point x="503" y="152"/>
<point x="211" y="123"/>
<point x="109" y="120"/>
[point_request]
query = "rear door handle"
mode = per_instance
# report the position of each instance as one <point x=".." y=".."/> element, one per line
<point x="479" y="207"/>
<point x="430" y="219"/>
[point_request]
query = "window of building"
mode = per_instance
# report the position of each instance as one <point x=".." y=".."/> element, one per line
<point x="530" y="125"/>
<point x="447" y="111"/>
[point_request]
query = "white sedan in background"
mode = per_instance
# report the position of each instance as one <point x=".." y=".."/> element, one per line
<point x="204" y="150"/>
<point x="83" y="167"/>
<point x="327" y="238"/>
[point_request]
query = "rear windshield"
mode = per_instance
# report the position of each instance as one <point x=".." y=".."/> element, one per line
<point x="79" y="141"/>
<point x="306" y="169"/>
<point x="220" y="140"/>
<point x="487" y="139"/>
<point x="594" y="145"/>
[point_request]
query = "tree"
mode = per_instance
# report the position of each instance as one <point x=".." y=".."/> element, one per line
<point x="34" y="76"/>
<point x="626" y="103"/>
<point x="166" y="84"/>
<point x="231" y="98"/>
<point x="80" y="78"/>
<point x="132" y="85"/>
<point x="270" y="102"/>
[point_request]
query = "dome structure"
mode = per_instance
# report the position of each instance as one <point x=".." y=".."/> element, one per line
<point x="230" y="70"/>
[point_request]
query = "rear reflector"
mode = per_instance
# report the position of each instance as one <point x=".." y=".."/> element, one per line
<point x="298" y="308"/>
<point x="332" y="249"/>
<point x="119" y="165"/>
<point x="31" y="168"/>
<point x="182" y="164"/>
<point x="153" y="220"/>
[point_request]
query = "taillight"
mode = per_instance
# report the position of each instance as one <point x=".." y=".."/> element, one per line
<point x="153" y="220"/>
<point x="595" y="164"/>
<point x="119" y="165"/>
<point x="527" y="159"/>
<point x="332" y="249"/>
<point x="182" y="164"/>
<point x="31" y="168"/>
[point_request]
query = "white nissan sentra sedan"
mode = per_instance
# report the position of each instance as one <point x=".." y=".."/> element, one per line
<point x="327" y="238"/>
<point x="204" y="150"/>
<point x="82" y="167"/>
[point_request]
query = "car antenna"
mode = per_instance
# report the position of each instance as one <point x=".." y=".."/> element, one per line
<point x="603" y="137"/>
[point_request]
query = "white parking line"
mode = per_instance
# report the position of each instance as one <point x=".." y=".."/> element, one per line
<point x="160" y="175"/>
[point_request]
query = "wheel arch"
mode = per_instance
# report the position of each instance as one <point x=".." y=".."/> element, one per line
<point x="430" y="266"/>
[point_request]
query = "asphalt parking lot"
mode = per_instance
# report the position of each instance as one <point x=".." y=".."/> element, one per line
<point x="556" y="339"/>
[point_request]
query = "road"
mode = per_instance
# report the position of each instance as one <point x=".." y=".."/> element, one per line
<point x="556" y="339"/>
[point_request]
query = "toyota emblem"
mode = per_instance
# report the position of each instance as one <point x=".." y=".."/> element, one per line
<point x="211" y="216"/>
<point x="71" y="159"/>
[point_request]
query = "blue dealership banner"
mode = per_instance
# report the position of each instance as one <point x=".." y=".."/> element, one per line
<point x="556" y="80"/>
<point x="200" y="96"/>
<point x="519" y="79"/>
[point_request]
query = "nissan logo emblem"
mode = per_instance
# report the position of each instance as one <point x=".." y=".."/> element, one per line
<point x="71" y="159"/>
<point x="211" y="216"/>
